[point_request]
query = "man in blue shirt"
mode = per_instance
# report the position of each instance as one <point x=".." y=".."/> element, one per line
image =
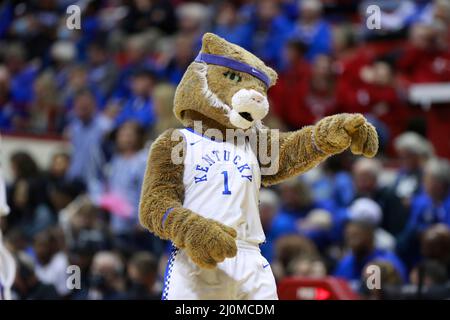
<point x="433" y="206"/>
<point x="312" y="30"/>
<point x="275" y="224"/>
<point x="139" y="106"/>
<point x="427" y="209"/>
<point x="360" y="239"/>
<point x="86" y="132"/>
<point x="269" y="30"/>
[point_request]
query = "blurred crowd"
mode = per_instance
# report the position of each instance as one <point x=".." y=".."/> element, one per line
<point x="108" y="89"/>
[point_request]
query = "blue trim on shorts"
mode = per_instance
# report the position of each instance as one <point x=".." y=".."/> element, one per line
<point x="168" y="272"/>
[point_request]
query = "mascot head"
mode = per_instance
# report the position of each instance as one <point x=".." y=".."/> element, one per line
<point x="226" y="84"/>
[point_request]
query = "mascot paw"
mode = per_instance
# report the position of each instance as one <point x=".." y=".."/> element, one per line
<point x="210" y="242"/>
<point x="336" y="133"/>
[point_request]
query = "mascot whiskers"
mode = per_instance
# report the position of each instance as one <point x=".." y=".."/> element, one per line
<point x="205" y="199"/>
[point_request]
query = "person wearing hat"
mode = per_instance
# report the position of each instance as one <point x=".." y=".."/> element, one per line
<point x="360" y="237"/>
<point x="367" y="211"/>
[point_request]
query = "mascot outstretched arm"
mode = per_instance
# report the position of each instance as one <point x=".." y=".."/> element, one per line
<point x="201" y="189"/>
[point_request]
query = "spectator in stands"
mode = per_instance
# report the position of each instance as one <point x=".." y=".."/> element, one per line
<point x="135" y="58"/>
<point x="142" y="271"/>
<point x="313" y="30"/>
<point x="432" y="11"/>
<point x="86" y="132"/>
<point x="435" y="245"/>
<point x="274" y="227"/>
<point x="139" y="106"/>
<point x="287" y="96"/>
<point x="368" y="211"/>
<point x="179" y="58"/>
<point x="22" y="74"/>
<point x="50" y="262"/>
<point x="429" y="208"/>
<point x="58" y="170"/>
<point x="304" y="94"/>
<point x="365" y="177"/>
<point x="45" y="112"/>
<point x="145" y="14"/>
<point x="25" y="197"/>
<point x="334" y="182"/>
<point x="394" y="18"/>
<point x="102" y="72"/>
<point x="125" y="179"/>
<point x="320" y="100"/>
<point x="27" y="285"/>
<point x="287" y="249"/>
<point x="365" y="181"/>
<point x="432" y="206"/>
<point x="106" y="280"/>
<point x="423" y="49"/>
<point x="429" y="274"/>
<point x="372" y="92"/>
<point x="62" y="57"/>
<point x="360" y="241"/>
<point x="85" y="234"/>
<point x="312" y="218"/>
<point x="231" y="26"/>
<point x="163" y="95"/>
<point x="269" y="32"/>
<point x="192" y="21"/>
<point x="372" y="288"/>
<point x="78" y="81"/>
<point x="307" y="266"/>
<point x="413" y="151"/>
<point x="297" y="200"/>
<point x="12" y="115"/>
<point x="60" y="190"/>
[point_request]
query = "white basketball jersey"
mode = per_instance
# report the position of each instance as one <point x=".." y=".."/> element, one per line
<point x="222" y="181"/>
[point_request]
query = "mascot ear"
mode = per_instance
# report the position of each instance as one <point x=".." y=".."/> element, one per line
<point x="213" y="44"/>
<point x="272" y="74"/>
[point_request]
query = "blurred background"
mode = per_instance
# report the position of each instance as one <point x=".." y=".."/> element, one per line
<point x="80" y="108"/>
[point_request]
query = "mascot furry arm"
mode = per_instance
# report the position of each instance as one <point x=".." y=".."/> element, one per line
<point x="213" y="93"/>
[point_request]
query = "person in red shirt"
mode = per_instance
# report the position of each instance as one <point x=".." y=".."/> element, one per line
<point x="426" y="57"/>
<point x="304" y="94"/>
<point x="287" y="96"/>
<point x="367" y="86"/>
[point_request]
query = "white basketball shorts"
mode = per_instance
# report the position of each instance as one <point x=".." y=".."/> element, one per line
<point x="247" y="276"/>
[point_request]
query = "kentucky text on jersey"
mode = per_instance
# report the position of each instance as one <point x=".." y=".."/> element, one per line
<point x="221" y="157"/>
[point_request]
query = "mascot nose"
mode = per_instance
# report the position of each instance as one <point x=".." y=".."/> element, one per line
<point x="257" y="97"/>
<point x="248" y="105"/>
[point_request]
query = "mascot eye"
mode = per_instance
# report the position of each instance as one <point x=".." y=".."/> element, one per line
<point x="233" y="76"/>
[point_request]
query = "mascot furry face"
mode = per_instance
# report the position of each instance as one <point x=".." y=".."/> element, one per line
<point x="225" y="83"/>
<point x="208" y="207"/>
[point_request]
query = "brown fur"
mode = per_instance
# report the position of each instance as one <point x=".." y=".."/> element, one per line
<point x="206" y="241"/>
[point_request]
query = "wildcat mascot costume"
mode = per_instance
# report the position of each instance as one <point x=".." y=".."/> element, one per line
<point x="201" y="191"/>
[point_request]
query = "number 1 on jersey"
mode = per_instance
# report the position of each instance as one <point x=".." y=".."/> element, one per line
<point x="225" y="183"/>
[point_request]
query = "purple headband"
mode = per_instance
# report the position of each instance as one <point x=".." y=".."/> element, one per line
<point x="233" y="64"/>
